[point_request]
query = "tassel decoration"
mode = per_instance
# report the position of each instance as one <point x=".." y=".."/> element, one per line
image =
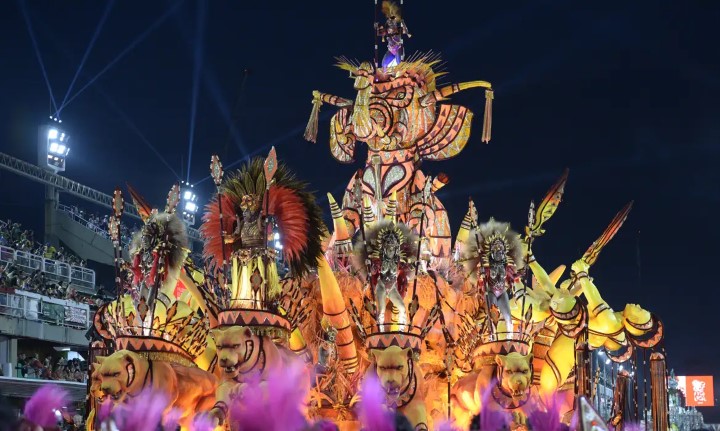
<point x="312" y="126"/>
<point x="487" y="121"/>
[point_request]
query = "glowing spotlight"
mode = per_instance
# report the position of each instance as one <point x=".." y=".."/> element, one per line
<point x="189" y="204"/>
<point x="53" y="146"/>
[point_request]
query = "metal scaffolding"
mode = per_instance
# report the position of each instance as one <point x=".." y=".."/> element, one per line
<point x="35" y="173"/>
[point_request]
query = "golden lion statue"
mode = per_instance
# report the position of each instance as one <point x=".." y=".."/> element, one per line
<point x="241" y="352"/>
<point x="126" y="373"/>
<point x="403" y="383"/>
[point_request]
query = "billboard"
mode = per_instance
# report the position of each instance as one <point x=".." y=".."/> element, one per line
<point x="698" y="390"/>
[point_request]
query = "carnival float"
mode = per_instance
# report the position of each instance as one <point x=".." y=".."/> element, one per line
<point x="450" y="322"/>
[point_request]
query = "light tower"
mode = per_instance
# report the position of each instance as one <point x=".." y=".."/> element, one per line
<point x="53" y="150"/>
<point x="189" y="204"/>
<point x="53" y="146"/>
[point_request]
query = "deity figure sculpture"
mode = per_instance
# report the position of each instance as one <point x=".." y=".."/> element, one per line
<point x="401" y="115"/>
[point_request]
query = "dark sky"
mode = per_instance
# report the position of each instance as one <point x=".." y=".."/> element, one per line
<point x="624" y="94"/>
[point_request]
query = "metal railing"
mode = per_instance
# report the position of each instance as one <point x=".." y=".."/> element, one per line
<point x="53" y="269"/>
<point x="31" y="306"/>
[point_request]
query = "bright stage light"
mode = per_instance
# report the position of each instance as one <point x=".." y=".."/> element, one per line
<point x="189" y="203"/>
<point x="53" y="146"/>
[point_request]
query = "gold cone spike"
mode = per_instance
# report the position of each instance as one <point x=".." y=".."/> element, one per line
<point x="336" y="313"/>
<point x="368" y="214"/>
<point x="556" y="274"/>
<point x="467" y="224"/>
<point x="343" y="242"/>
<point x="391" y="209"/>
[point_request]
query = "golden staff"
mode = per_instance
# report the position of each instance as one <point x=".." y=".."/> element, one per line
<point x="537" y="218"/>
<point x="269" y="167"/>
<point x="216" y="172"/>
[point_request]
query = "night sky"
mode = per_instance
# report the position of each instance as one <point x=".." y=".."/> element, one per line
<point x="624" y="94"/>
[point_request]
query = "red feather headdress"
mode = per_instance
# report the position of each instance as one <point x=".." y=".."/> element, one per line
<point x="298" y="217"/>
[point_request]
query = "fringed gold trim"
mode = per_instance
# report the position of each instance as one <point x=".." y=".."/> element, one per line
<point x="312" y="126"/>
<point x="487" y="120"/>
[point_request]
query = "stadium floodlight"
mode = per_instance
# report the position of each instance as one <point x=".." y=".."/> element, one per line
<point x="53" y="146"/>
<point x="189" y="203"/>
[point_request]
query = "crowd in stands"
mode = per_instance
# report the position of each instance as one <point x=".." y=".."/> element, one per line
<point x="14" y="236"/>
<point x="99" y="224"/>
<point x="13" y="278"/>
<point x="73" y="370"/>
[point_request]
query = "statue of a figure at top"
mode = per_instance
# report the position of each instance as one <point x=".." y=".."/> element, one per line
<point x="392" y="32"/>
<point x="400" y="114"/>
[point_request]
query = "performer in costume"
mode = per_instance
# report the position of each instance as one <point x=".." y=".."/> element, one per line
<point x="391" y="250"/>
<point x="392" y="31"/>
<point x="248" y="206"/>
<point x="493" y="257"/>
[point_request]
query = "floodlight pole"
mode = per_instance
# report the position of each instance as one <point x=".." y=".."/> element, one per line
<point x="52" y="194"/>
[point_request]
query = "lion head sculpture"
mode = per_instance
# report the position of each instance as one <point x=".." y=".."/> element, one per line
<point x="394" y="368"/>
<point x="119" y="374"/>
<point x="235" y="346"/>
<point x="514" y="373"/>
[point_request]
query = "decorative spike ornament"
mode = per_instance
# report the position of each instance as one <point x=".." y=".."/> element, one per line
<point x="368" y="213"/>
<point x="343" y="242"/>
<point x="391" y="209"/>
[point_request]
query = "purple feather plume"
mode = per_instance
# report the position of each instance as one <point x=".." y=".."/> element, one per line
<point x="372" y="413"/>
<point x="40" y="408"/>
<point x="143" y="412"/>
<point x="445" y="426"/>
<point x="546" y="419"/>
<point x="490" y="418"/>
<point x="273" y="405"/>
<point x="323" y="425"/>
<point x="202" y="422"/>
<point x="633" y="426"/>
<point x="171" y="419"/>
<point x="104" y="411"/>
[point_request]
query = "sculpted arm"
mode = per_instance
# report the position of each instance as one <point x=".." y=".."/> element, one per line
<point x="330" y="99"/>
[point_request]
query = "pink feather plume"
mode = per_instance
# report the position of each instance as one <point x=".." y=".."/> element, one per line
<point x="143" y="412"/>
<point x="202" y="422"/>
<point x="492" y="419"/>
<point x="273" y="405"/>
<point x="40" y="408"/>
<point x="546" y="419"/>
<point x="372" y="413"/>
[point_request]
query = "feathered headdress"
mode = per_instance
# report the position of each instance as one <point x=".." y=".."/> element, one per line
<point x="391" y="9"/>
<point x="162" y="238"/>
<point x="151" y="319"/>
<point x="298" y="217"/>
<point x="476" y="250"/>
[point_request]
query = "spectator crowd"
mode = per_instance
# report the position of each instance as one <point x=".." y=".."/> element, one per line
<point x="14" y="236"/>
<point x="12" y="277"/>
<point x="73" y="370"/>
<point x="99" y="224"/>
